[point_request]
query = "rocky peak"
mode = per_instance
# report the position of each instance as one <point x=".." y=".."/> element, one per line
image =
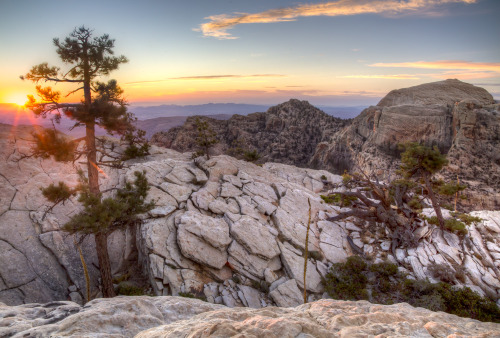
<point x="443" y="93"/>
<point x="286" y="133"/>
<point x="462" y="120"/>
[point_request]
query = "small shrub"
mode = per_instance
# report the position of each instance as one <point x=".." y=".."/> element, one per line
<point x="190" y="295"/>
<point x="432" y="220"/>
<point x="251" y="156"/>
<point x="467" y="219"/>
<point x="415" y="203"/>
<point x="384" y="269"/>
<point x="347" y="280"/>
<point x="454" y="225"/>
<point x="186" y="295"/>
<point x="323" y="178"/>
<point x="327" y="199"/>
<point x="127" y="289"/>
<point x="346" y="178"/>
<point x="383" y="284"/>
<point x="442" y="272"/>
<point x="339" y="199"/>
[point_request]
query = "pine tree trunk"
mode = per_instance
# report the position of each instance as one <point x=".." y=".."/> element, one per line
<point x="101" y="242"/>
<point x="93" y="172"/>
<point x="434" y="202"/>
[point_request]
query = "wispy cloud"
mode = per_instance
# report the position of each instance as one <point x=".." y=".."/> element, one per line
<point x="208" y="77"/>
<point x="488" y="84"/>
<point x="392" y="77"/>
<point x="465" y="70"/>
<point x="219" y="25"/>
<point x="445" y="64"/>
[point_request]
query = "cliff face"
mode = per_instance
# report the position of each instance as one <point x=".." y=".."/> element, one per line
<point x="286" y="133"/>
<point x="462" y="120"/>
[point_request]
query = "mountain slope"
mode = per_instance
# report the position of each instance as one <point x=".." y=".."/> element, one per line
<point x="462" y="120"/>
<point x="286" y="133"/>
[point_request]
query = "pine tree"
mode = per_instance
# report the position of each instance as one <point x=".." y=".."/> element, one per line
<point x="102" y="105"/>
<point x="422" y="162"/>
<point x="205" y="137"/>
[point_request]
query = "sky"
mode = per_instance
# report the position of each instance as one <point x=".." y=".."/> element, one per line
<point x="331" y="53"/>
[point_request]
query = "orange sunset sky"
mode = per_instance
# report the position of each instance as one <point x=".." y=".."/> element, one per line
<point x="344" y="52"/>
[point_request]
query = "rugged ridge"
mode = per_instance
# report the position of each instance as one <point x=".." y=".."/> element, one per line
<point x="462" y="120"/>
<point x="286" y="133"/>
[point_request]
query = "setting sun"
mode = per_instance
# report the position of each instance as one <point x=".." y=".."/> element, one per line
<point x="18" y="99"/>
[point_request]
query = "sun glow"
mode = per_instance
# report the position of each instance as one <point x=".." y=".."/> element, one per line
<point x="18" y="99"/>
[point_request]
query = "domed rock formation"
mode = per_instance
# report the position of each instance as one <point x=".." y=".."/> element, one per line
<point x="462" y="120"/>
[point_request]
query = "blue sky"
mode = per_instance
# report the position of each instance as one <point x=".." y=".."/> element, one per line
<point x="344" y="52"/>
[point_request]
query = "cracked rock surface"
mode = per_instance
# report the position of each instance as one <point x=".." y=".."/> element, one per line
<point x="225" y="230"/>
<point x="143" y="317"/>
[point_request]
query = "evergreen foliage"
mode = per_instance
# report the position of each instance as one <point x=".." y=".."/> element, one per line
<point x="382" y="284"/>
<point x="100" y="104"/>
<point x="57" y="193"/>
<point x="419" y="162"/>
<point x="50" y="142"/>
<point x="240" y="150"/>
<point x="205" y="137"/>
<point x="105" y="215"/>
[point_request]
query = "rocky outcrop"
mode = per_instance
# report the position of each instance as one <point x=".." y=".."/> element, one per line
<point x="144" y="317"/>
<point x="462" y="120"/>
<point x="286" y="133"/>
<point x="225" y="230"/>
<point x="38" y="262"/>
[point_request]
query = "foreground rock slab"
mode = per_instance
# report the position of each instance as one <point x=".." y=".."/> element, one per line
<point x="181" y="317"/>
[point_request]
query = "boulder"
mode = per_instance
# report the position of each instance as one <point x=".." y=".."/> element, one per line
<point x="203" y="239"/>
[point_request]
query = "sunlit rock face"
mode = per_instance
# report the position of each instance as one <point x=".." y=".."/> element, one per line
<point x="145" y="317"/>
<point x="223" y="229"/>
<point x="462" y="120"/>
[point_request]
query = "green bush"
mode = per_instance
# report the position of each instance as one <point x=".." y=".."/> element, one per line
<point x="383" y="284"/>
<point x="415" y="203"/>
<point x="251" y="156"/>
<point x="467" y="219"/>
<point x="454" y="225"/>
<point x="347" y="280"/>
<point x="127" y="289"/>
<point x="327" y="199"/>
<point x="190" y="295"/>
<point x="339" y="199"/>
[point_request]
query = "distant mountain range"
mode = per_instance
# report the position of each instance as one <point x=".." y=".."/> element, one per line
<point x="143" y="112"/>
<point x="153" y="119"/>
